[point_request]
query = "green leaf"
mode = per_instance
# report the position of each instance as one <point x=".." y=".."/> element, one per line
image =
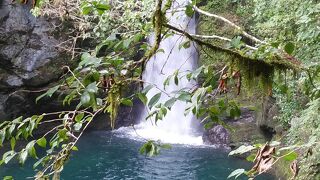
<point x="214" y="110"/>
<point x="251" y="157"/>
<point x="176" y="80"/>
<point x="170" y="103"/>
<point x="289" y="48"/>
<point x="2" y="136"/>
<point x="127" y="102"/>
<point x="11" y="129"/>
<point x="222" y="104"/>
<point x="62" y="134"/>
<point x="23" y="156"/>
<point x="79" y="117"/>
<point x="36" y="164"/>
<point x="13" y="143"/>
<point x="127" y="43"/>
<point x="185" y="45"/>
<point x="49" y="93"/>
<point x="32" y="152"/>
<point x="290" y="157"/>
<point x="87" y="59"/>
<point x="236" y="42"/>
<point x="74" y="148"/>
<point x="196" y="73"/>
<point x="147" y="89"/>
<point x="9" y="156"/>
<point x="236" y="173"/>
<point x="185" y="96"/>
<point x="42" y="142"/>
<point x="232" y="113"/>
<point x="166" y="82"/>
<point x="160" y="51"/>
<point x="150" y="149"/>
<point x="39" y="118"/>
<point x="77" y="126"/>
<point x="8" y="178"/>
<point x="189" y="11"/>
<point x="92" y="88"/>
<point x="103" y="7"/>
<point x="30" y="145"/>
<point x="89" y="119"/>
<point x="85" y="98"/>
<point x="242" y="149"/>
<point x="86" y="10"/>
<point x="143" y="98"/>
<point x="208" y="125"/>
<point x="154" y="100"/>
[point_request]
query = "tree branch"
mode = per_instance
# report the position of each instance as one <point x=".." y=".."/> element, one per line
<point x="203" y="43"/>
<point x="230" y="23"/>
<point x="220" y="38"/>
<point x="278" y="60"/>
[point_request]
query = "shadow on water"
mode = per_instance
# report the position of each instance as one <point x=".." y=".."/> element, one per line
<point x="102" y="155"/>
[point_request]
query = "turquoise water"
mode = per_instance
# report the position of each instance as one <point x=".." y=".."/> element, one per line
<point x="102" y="155"/>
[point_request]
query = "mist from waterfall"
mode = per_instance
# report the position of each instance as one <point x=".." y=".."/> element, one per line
<point x="175" y="128"/>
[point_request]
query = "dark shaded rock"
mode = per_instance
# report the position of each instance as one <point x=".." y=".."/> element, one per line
<point x="23" y="104"/>
<point x="127" y="116"/>
<point x="246" y="130"/>
<point x="265" y="118"/>
<point x="217" y="135"/>
<point x="243" y="130"/>
<point x="29" y="59"/>
<point x="29" y="53"/>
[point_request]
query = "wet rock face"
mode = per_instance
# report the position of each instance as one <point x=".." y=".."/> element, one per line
<point x="31" y="60"/>
<point x="266" y="120"/>
<point x="29" y="57"/>
<point x="29" y="54"/>
<point x="245" y="130"/>
<point x="217" y="135"/>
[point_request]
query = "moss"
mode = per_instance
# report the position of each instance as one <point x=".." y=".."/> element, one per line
<point x="310" y="164"/>
<point x="282" y="169"/>
<point x="253" y="72"/>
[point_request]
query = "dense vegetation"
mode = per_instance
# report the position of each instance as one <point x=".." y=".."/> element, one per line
<point x="296" y="95"/>
<point x="285" y="63"/>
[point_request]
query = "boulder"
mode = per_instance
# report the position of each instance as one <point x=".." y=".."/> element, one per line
<point x="29" y="52"/>
<point x="30" y="56"/>
<point x="217" y="135"/>
<point x="30" y="59"/>
<point x="242" y="130"/>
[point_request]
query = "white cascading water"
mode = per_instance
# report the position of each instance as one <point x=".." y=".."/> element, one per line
<point x="175" y="128"/>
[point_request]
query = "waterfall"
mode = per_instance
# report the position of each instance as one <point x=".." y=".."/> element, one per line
<point x="175" y="128"/>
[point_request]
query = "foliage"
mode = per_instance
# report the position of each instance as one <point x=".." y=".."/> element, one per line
<point x="293" y="20"/>
<point x="117" y="17"/>
<point x="152" y="148"/>
<point x="292" y="25"/>
<point x="288" y="101"/>
<point x="100" y="81"/>
<point x="266" y="156"/>
<point x="296" y="21"/>
<point x="306" y="129"/>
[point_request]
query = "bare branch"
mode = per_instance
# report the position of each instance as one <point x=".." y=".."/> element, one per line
<point x="220" y="38"/>
<point x="230" y="23"/>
